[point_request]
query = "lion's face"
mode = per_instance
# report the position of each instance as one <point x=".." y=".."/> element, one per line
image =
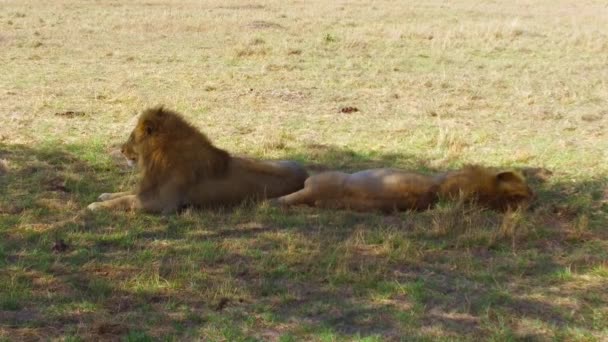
<point x="129" y="150"/>
<point x="142" y="137"/>
<point x="513" y="188"/>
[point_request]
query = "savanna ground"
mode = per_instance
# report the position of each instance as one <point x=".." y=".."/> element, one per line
<point x="436" y="85"/>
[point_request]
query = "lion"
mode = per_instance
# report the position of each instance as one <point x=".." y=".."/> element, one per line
<point x="392" y="189"/>
<point x="376" y="189"/>
<point x="180" y="167"/>
<point x="491" y="188"/>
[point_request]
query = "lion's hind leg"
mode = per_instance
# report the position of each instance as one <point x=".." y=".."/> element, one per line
<point x="304" y="196"/>
<point x="317" y="188"/>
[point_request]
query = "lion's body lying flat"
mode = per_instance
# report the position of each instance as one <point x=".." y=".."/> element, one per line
<point x="180" y="167"/>
<point x="390" y="189"/>
<point x="377" y="189"/>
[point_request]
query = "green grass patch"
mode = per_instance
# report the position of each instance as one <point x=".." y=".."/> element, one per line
<point x="436" y="86"/>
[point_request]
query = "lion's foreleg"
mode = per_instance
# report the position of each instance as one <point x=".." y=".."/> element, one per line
<point x="166" y="200"/>
<point x="136" y="202"/>
<point x="127" y="202"/>
<point x="160" y="205"/>
<point x="112" y="195"/>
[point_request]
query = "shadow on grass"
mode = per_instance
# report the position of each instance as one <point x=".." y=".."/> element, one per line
<point x="260" y="271"/>
<point x="317" y="157"/>
<point x="48" y="181"/>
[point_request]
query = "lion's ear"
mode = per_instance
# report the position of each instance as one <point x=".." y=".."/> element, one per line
<point x="508" y="176"/>
<point x="149" y="127"/>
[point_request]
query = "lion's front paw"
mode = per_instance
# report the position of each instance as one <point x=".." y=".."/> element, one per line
<point x="104" y="197"/>
<point x="94" y="206"/>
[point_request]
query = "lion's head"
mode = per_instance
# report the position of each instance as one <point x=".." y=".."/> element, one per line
<point x="496" y="189"/>
<point x="128" y="150"/>
<point x="163" y="141"/>
<point x="512" y="188"/>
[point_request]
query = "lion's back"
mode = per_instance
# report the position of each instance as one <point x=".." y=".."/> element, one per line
<point x="247" y="178"/>
<point x="390" y="183"/>
<point x="379" y="189"/>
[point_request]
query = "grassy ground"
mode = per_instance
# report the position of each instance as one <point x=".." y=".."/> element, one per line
<point x="436" y="84"/>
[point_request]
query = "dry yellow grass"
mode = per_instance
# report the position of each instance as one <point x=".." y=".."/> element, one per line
<point x="418" y="73"/>
<point x="437" y="84"/>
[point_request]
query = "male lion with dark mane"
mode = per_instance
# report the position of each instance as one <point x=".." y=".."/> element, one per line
<point x="391" y="189"/>
<point x="180" y="167"/>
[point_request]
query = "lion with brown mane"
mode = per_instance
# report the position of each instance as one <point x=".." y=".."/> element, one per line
<point x="391" y="189"/>
<point x="180" y="167"/>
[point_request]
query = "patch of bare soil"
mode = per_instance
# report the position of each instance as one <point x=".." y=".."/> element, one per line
<point x="119" y="304"/>
<point x="19" y="317"/>
<point x="58" y="185"/>
<point x="59" y="246"/>
<point x="222" y="303"/>
<point x="264" y="25"/>
<point x="108" y="330"/>
<point x="10" y="209"/>
<point x="70" y="114"/>
<point x="349" y="109"/>
<point x="244" y="7"/>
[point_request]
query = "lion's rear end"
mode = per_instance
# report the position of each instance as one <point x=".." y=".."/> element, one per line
<point x="292" y="179"/>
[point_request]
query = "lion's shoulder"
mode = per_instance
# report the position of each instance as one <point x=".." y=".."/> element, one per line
<point x="254" y="167"/>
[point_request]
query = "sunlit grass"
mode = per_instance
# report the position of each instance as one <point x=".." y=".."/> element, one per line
<point x="436" y="85"/>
